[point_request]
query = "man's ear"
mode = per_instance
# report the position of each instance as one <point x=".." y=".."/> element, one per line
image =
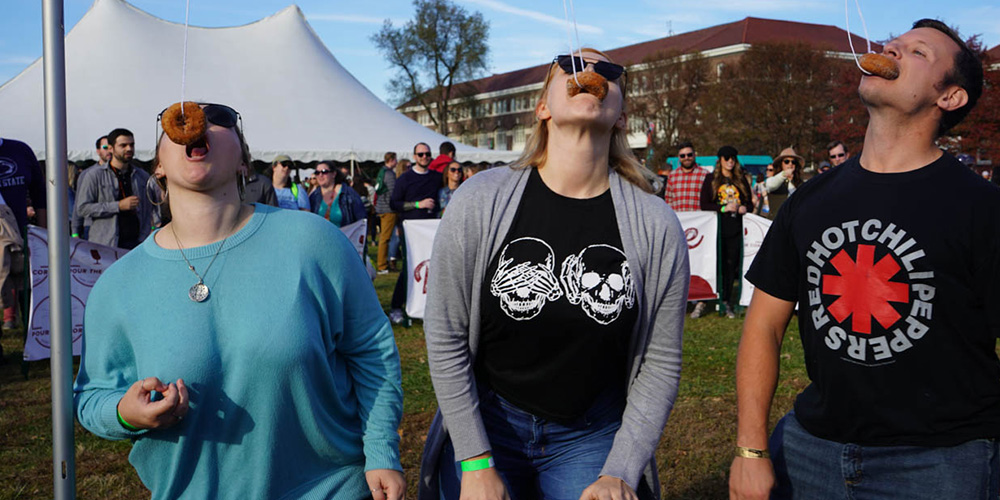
<point x="542" y="111"/>
<point x="954" y="98"/>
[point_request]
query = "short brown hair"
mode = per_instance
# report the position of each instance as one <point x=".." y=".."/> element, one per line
<point x="391" y="155"/>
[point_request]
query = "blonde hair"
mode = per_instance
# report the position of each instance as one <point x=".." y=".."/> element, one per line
<point x="620" y="156"/>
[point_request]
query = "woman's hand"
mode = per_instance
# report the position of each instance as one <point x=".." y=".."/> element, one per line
<point x="742" y="210"/>
<point x="137" y="408"/>
<point x="609" y="488"/>
<point x="483" y="484"/>
<point x="732" y="206"/>
<point x="386" y="484"/>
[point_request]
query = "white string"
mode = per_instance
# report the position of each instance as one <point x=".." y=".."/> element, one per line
<point x="850" y="38"/>
<point x="187" y="13"/>
<point x="569" y="37"/>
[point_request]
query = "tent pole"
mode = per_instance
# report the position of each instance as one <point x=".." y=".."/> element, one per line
<point x="54" y="61"/>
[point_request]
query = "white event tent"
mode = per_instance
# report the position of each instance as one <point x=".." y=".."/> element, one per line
<point x="123" y="66"/>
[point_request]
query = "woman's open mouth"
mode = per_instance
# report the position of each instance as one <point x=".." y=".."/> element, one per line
<point x="197" y="149"/>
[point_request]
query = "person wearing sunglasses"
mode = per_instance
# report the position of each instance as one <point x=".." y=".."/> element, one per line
<point x="189" y="366"/>
<point x="113" y="197"/>
<point x="414" y="197"/>
<point x="727" y="192"/>
<point x="103" y="150"/>
<point x="555" y="313"/>
<point x="453" y="177"/>
<point x="787" y="179"/>
<point x="837" y="152"/>
<point x="290" y="195"/>
<point x="335" y="200"/>
<point x="80" y="226"/>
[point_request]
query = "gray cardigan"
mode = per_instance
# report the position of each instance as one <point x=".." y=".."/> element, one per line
<point x="472" y="231"/>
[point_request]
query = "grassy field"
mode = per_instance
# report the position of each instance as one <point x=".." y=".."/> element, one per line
<point x="693" y="455"/>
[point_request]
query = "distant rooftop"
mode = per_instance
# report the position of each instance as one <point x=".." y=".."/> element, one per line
<point x="750" y="30"/>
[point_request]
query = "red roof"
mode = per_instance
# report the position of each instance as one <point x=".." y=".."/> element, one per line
<point x="750" y="30"/>
<point x="993" y="54"/>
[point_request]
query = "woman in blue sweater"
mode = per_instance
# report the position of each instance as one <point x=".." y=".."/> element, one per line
<point x="235" y="380"/>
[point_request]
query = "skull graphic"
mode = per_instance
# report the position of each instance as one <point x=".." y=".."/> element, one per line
<point x="524" y="286"/>
<point x="599" y="279"/>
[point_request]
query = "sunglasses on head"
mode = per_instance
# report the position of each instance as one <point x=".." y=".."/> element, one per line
<point x="218" y="114"/>
<point x="608" y="70"/>
<point x="421" y="155"/>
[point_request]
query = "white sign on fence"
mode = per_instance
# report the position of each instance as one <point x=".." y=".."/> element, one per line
<point x="87" y="261"/>
<point x="419" y="236"/>
<point x="702" y="234"/>
<point x="754" y="229"/>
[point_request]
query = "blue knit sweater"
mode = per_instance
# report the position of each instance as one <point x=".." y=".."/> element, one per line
<point x="291" y="364"/>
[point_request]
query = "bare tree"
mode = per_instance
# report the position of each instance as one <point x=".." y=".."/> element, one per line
<point x="665" y="94"/>
<point x="442" y="45"/>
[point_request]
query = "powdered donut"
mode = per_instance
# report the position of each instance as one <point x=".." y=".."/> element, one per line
<point x="880" y="66"/>
<point x="590" y="82"/>
<point x="184" y="129"/>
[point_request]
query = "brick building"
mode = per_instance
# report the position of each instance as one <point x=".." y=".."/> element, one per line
<point x="497" y="112"/>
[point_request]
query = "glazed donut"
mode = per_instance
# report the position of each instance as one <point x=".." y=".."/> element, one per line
<point x="590" y="82"/>
<point x="184" y="129"/>
<point x="879" y="65"/>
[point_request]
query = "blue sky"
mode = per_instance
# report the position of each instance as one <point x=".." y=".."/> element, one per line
<point x="523" y="32"/>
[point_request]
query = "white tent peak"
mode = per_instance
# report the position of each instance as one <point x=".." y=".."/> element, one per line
<point x="294" y="96"/>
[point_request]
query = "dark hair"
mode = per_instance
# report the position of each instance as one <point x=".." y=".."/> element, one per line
<point x="738" y="180"/>
<point x="684" y="145"/>
<point x="116" y="133"/>
<point x="834" y="144"/>
<point x="966" y="73"/>
<point x="419" y="143"/>
<point x="391" y="155"/>
<point x="97" y="143"/>
<point x="447" y="148"/>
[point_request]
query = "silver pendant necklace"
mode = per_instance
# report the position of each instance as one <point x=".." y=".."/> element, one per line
<point x="199" y="292"/>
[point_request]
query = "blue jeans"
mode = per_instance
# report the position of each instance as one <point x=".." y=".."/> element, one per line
<point x="539" y="458"/>
<point x="394" y="244"/>
<point x="808" y="467"/>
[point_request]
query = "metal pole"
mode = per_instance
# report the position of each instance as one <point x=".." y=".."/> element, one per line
<point x="54" y="60"/>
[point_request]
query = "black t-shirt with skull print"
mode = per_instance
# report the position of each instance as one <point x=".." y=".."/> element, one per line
<point x="559" y="306"/>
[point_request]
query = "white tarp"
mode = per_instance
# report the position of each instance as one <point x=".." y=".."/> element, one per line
<point x="419" y="236"/>
<point x="755" y="228"/>
<point x="123" y="66"/>
<point x="701" y="232"/>
<point x="86" y="263"/>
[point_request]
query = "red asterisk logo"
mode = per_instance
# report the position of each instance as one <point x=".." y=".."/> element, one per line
<point x="864" y="289"/>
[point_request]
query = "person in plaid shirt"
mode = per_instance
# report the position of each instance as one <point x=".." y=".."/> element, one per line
<point x="684" y="184"/>
<point x="684" y="192"/>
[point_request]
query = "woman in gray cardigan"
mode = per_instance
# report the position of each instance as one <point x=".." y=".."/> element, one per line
<point x="554" y="318"/>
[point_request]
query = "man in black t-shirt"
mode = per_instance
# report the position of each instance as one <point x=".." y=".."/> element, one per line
<point x="895" y="301"/>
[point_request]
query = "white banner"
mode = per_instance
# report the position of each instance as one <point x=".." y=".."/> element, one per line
<point x="702" y="234"/>
<point x="87" y="261"/>
<point x="357" y="232"/>
<point x="419" y="236"/>
<point x="754" y="229"/>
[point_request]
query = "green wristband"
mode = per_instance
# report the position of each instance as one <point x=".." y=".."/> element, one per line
<point x="416" y="204"/>
<point x="121" y="420"/>
<point x="474" y="465"/>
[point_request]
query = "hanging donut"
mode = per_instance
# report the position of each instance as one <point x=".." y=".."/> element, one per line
<point x="590" y="82"/>
<point x="880" y="65"/>
<point x="184" y="128"/>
